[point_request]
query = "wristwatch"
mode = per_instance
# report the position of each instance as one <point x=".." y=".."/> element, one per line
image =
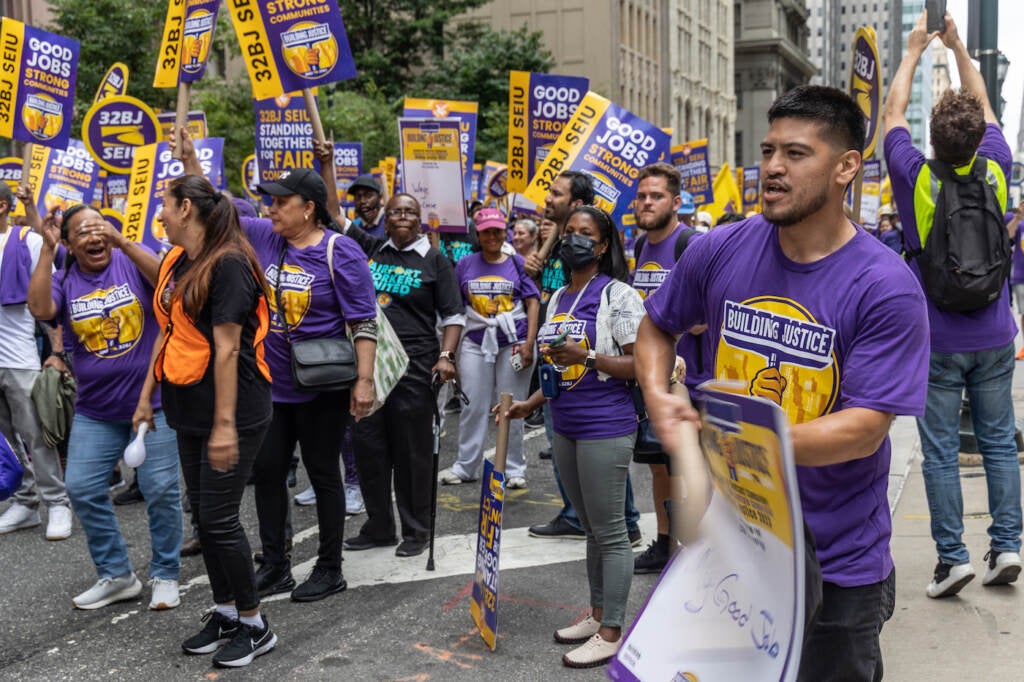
<point x="591" y="359"/>
<point x="447" y="355"/>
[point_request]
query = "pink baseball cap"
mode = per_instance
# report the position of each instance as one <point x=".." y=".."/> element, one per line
<point x="488" y="218"/>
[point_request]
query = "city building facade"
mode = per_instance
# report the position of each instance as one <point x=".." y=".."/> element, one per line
<point x="669" y="61"/>
<point x="771" y="58"/>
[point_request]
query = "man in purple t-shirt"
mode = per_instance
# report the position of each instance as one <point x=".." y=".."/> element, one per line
<point x="663" y="240"/>
<point x="970" y="350"/>
<point x="810" y="311"/>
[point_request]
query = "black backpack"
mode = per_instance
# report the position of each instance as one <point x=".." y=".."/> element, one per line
<point x="681" y="241"/>
<point x="966" y="259"/>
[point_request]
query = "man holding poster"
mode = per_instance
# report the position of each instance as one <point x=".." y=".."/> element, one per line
<point x="765" y="288"/>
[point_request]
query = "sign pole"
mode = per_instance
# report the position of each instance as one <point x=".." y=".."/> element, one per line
<point x="26" y="161"/>
<point x="181" y="113"/>
<point x="314" y="114"/>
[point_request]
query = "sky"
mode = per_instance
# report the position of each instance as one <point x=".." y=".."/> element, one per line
<point x="1011" y="18"/>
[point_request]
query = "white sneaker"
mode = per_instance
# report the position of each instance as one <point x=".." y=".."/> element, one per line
<point x="949" y="579"/>
<point x="107" y="591"/>
<point x="353" y="500"/>
<point x="306" y="498"/>
<point x="18" y="516"/>
<point x="449" y="477"/>
<point x="1003" y="568"/>
<point x="58" y="525"/>
<point x="516" y="483"/>
<point x="165" y="594"/>
<point x="594" y="652"/>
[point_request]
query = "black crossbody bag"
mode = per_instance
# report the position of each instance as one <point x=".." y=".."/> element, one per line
<point x="318" y="365"/>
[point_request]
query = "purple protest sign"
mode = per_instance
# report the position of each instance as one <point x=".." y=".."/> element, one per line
<point x="291" y="46"/>
<point x="38" y="84"/>
<point x="114" y="127"/>
<point x="197" y="36"/>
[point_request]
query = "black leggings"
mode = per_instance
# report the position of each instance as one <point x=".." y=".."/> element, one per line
<point x="318" y="426"/>
<point x="215" y="497"/>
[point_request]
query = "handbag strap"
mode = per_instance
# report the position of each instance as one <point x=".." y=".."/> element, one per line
<point x="280" y="274"/>
<point x="277" y="293"/>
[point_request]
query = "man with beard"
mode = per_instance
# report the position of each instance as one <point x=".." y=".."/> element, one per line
<point x="848" y="331"/>
<point x="660" y="245"/>
<point x="365" y="194"/>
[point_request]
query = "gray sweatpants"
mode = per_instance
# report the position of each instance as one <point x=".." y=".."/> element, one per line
<point x="594" y="473"/>
<point x="18" y="420"/>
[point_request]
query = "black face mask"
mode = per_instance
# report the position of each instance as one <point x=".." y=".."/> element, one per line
<point x="577" y="251"/>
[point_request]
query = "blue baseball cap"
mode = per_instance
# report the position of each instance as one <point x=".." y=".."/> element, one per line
<point x="687" y="207"/>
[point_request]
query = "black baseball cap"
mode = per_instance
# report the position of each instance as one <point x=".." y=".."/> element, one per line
<point x="302" y="181"/>
<point x="365" y="180"/>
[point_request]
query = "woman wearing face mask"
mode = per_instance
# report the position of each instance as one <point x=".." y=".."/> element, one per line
<point x="588" y="340"/>
<point x="415" y="285"/>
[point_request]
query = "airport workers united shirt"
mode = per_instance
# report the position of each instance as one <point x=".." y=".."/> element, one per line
<point x="586" y="407"/>
<point x="315" y="307"/>
<point x="494" y="288"/>
<point x="415" y="285"/>
<point x="109" y="330"/>
<point x="848" y="330"/>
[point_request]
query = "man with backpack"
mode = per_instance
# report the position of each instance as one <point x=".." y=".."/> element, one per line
<point x="662" y="240"/>
<point x="957" y="244"/>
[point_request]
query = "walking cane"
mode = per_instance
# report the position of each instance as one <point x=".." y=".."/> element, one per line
<point x="436" y="384"/>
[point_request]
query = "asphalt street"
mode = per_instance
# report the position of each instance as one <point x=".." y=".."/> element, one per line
<point x="396" y="621"/>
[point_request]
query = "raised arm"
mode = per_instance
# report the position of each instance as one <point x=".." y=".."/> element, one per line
<point x="188" y="150"/>
<point x="970" y="78"/>
<point x="324" y="153"/>
<point x="40" y="284"/>
<point x="895" y="112"/>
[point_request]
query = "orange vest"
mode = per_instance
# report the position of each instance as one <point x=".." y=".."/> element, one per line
<point x="186" y="350"/>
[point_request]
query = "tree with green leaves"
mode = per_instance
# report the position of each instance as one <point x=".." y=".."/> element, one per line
<point x="113" y="31"/>
<point x="476" y="68"/>
<point x="393" y="41"/>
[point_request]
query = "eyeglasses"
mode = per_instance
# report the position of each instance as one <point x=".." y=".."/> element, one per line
<point x="397" y="212"/>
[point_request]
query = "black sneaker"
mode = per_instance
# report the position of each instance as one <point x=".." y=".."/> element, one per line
<point x="274" y="579"/>
<point x="219" y="629"/>
<point x="558" y="527"/>
<point x="544" y="454"/>
<point x="651" y="560"/>
<point x="535" y="420"/>
<point x="411" y="548"/>
<point x="322" y="582"/>
<point x="130" y="496"/>
<point x="360" y="542"/>
<point x="249" y="642"/>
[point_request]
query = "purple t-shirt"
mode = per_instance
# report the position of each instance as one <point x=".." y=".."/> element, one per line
<point x="493" y="288"/>
<point x="315" y="307"/>
<point x="986" y="328"/>
<point x="652" y="269"/>
<point x="1017" y="275"/>
<point x="848" y="330"/>
<point x="586" y="407"/>
<point x="109" y="330"/>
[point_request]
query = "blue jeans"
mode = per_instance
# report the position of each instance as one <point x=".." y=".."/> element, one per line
<point x="988" y="377"/>
<point x="93" y="450"/>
